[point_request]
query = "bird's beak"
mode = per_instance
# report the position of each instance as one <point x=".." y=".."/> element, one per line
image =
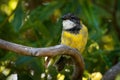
<point x="63" y="18"/>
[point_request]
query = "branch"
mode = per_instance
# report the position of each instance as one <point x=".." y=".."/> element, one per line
<point x="50" y="52"/>
<point x="112" y="73"/>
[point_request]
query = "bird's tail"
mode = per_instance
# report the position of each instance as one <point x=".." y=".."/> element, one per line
<point x="61" y="62"/>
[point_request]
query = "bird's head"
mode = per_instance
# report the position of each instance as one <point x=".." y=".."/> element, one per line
<point x="71" y="22"/>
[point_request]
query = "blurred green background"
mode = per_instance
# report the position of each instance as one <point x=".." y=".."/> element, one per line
<point x="37" y="23"/>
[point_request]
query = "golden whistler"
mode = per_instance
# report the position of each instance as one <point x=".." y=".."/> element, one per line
<point x="74" y="35"/>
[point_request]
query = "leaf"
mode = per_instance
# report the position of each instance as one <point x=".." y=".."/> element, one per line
<point x="44" y="12"/>
<point x="23" y="60"/>
<point x="9" y="55"/>
<point x="42" y="29"/>
<point x="18" y="17"/>
<point x="38" y="67"/>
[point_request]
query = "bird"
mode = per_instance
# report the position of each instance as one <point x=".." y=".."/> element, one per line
<point x="74" y="34"/>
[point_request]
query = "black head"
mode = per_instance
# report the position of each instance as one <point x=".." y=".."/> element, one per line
<point x="71" y="17"/>
<point x="74" y="28"/>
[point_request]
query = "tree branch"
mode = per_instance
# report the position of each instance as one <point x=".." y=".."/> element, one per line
<point x="112" y="73"/>
<point x="50" y="52"/>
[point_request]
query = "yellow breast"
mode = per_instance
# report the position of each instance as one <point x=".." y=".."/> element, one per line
<point x="77" y="41"/>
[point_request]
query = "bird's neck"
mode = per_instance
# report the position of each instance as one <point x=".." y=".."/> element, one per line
<point x="74" y="30"/>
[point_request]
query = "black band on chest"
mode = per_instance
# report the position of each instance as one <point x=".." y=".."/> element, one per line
<point x="74" y="30"/>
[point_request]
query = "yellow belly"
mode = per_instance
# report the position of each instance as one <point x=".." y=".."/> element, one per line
<point x="77" y="41"/>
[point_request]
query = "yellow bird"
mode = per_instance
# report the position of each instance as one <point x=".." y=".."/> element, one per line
<point x="74" y="35"/>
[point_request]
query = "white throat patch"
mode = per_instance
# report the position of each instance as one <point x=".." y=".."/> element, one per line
<point x="67" y="24"/>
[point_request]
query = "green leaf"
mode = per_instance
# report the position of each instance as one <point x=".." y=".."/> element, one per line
<point x="23" y="60"/>
<point x="18" y="17"/>
<point x="42" y="30"/>
<point x="117" y="76"/>
<point x="44" y="12"/>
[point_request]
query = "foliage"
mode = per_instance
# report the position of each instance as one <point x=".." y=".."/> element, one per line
<point x="37" y="23"/>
